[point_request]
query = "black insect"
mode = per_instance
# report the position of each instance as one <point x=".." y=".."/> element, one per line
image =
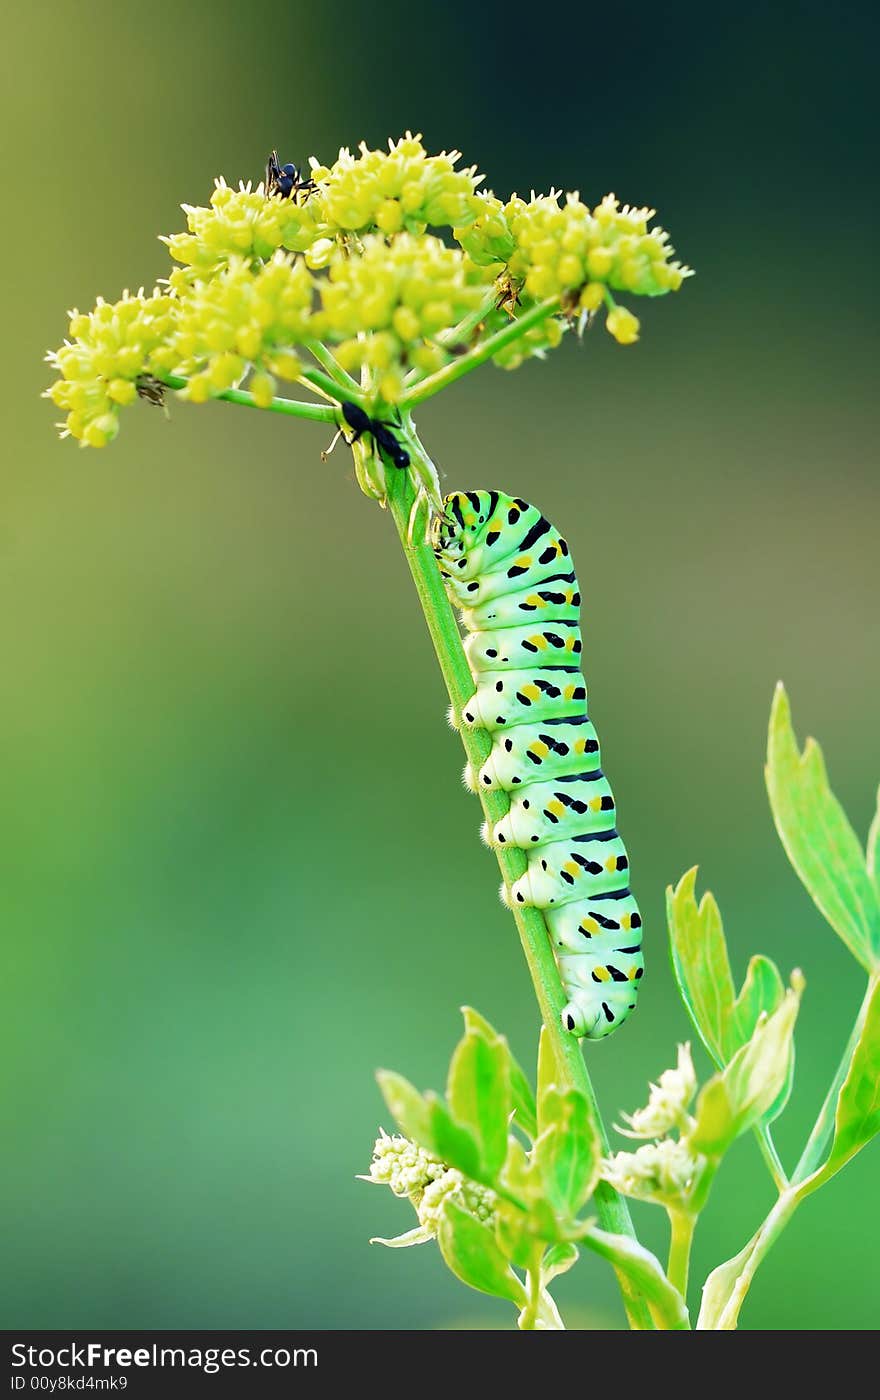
<point x="360" y="422"/>
<point x="285" y="180"/>
<point x="150" y="388"/>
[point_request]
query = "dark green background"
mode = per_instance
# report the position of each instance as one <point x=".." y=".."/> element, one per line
<point x="238" y="868"/>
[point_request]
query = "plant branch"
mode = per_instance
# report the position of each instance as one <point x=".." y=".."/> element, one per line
<point x="681" y="1223"/>
<point x="317" y="412"/>
<point x="480" y="353"/>
<point x="444" y="631"/>
<point x="328" y="361"/>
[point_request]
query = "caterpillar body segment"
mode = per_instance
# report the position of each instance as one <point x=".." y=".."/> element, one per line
<point x="510" y="573"/>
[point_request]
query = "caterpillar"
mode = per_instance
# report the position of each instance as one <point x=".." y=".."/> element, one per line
<point x="510" y="573"/>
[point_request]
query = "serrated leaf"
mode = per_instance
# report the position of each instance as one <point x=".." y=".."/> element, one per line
<point x="857" y="1119"/>
<point x="522" y="1097"/>
<point x="741" y="1094"/>
<point x="873" y="848"/>
<point x="558" y="1260"/>
<point x="453" y="1144"/>
<point x="719" y="1286"/>
<point x="409" y="1108"/>
<point x="818" y="838"/>
<point x="471" y="1252"/>
<point x="478" y="1093"/>
<point x="700" y="962"/>
<point x="568" y="1151"/>
<point x="762" y="991"/>
<point x="666" y="1305"/>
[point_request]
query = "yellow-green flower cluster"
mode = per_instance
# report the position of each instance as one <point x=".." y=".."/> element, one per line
<point x="428" y="1184"/>
<point x="403" y="293"/>
<point x="565" y="249"/>
<point x="243" y="316"/>
<point x="240" y="223"/>
<point x="402" y="188"/>
<point x="110" y="348"/>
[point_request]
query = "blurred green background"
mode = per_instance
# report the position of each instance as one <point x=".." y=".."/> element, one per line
<point x="218" y="703"/>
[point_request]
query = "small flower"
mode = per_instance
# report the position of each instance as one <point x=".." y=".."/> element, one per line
<point x="663" y="1172"/>
<point x="668" y="1101"/>
<point x="623" y="325"/>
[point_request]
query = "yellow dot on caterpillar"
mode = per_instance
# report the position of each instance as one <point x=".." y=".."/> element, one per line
<point x="626" y="921"/>
<point x="595" y="804"/>
<point x="555" y="808"/>
<point x="532" y="692"/>
<point x="611" y="863"/>
<point x="580" y="746"/>
<point x="522" y="562"/>
<point x="632" y="973"/>
<point x="589" y="926"/>
<point x="602" y="973"/>
<point x="539" y="641"/>
<point x="572" y="868"/>
<point x="539" y="749"/>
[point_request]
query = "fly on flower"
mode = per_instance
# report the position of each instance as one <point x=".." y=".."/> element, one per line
<point x="285" y="180"/>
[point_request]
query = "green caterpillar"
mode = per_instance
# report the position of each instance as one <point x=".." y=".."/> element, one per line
<point x="510" y="573"/>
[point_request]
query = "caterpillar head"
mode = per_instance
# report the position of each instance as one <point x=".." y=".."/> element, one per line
<point x="587" y="1019"/>
<point x="463" y="516"/>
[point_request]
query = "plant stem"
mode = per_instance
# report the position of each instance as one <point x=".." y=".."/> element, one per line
<point x="317" y="412"/>
<point x="480" y="353"/>
<point x="771" y="1156"/>
<point x="329" y="362"/>
<point x="330" y="388"/>
<point x="681" y="1238"/>
<point x="444" y="631"/>
<point x="824" y="1125"/>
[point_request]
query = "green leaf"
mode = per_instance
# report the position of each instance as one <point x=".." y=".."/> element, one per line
<point x="513" y="1233"/>
<point x="700" y="962"/>
<point x="558" y="1260"/>
<point x="858" y="1104"/>
<point x="411" y="1111"/>
<point x="744" y="1091"/>
<point x="521" y="1090"/>
<point x="471" y="1252"/>
<point x="665" y="1303"/>
<point x="568" y="1150"/>
<point x="452" y="1143"/>
<point x="873" y="851"/>
<point x="818" y="838"/>
<point x="762" y="991"/>
<point x="548" y="1070"/>
<point x="478" y="1093"/>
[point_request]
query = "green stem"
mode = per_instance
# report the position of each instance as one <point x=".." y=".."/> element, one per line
<point x="329" y="362"/>
<point x="824" y="1125"/>
<point x="456" y="369"/>
<point x="681" y="1238"/>
<point x="317" y="412"/>
<point x="330" y="387"/>
<point x="771" y="1156"/>
<point x="444" y="631"/>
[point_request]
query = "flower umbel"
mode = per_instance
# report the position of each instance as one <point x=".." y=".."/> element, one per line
<point x="428" y="1184"/>
<point x="344" y="272"/>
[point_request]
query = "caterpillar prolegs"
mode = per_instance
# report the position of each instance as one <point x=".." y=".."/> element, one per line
<point x="510" y="573"/>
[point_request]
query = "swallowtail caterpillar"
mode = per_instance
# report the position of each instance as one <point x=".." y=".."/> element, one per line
<point x="509" y="571"/>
